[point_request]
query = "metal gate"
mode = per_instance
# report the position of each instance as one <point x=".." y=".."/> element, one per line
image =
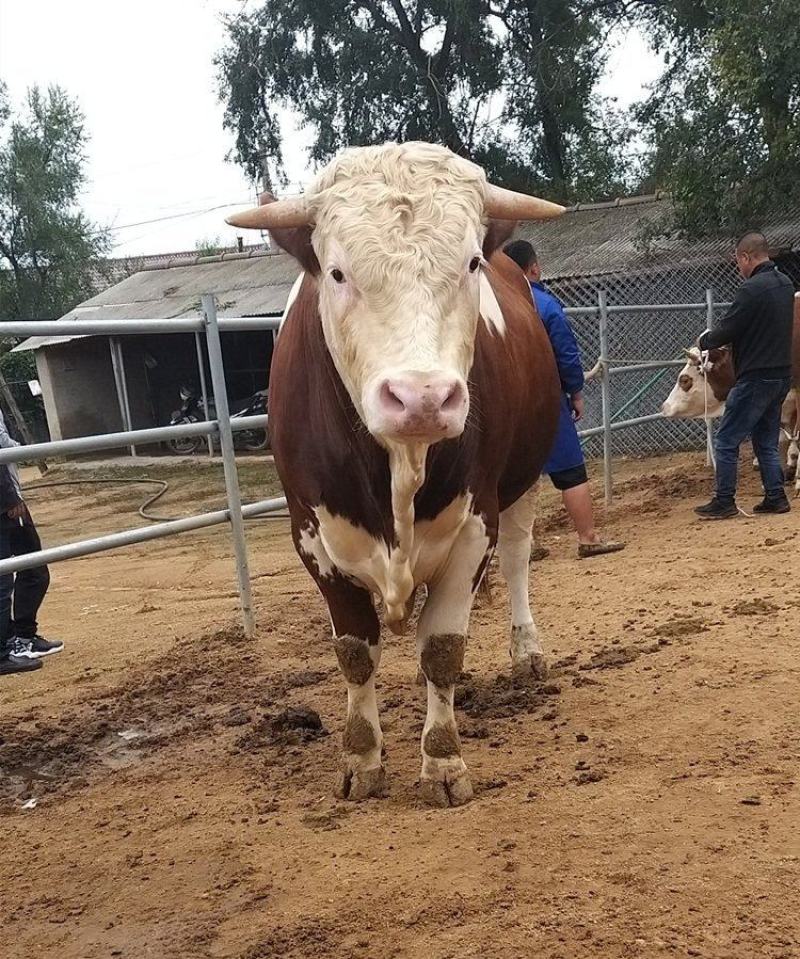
<point x="606" y="373"/>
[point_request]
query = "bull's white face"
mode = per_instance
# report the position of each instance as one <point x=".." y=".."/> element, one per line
<point x="691" y="396"/>
<point x="398" y="237"/>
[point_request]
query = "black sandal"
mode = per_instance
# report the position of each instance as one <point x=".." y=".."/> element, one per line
<point x="587" y="550"/>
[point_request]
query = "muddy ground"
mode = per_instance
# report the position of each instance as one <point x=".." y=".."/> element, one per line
<point x="643" y="802"/>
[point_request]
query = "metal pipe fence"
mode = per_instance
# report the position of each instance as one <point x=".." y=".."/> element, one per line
<point x="223" y="426"/>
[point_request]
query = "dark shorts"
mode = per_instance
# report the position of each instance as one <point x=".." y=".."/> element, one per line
<point x="569" y="479"/>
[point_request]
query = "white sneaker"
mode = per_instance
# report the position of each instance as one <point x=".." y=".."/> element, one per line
<point x="21" y="649"/>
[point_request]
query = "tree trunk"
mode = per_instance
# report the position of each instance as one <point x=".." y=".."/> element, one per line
<point x="555" y="147"/>
<point x="19" y="419"/>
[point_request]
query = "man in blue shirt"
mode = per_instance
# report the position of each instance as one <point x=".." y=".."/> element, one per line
<point x="566" y="466"/>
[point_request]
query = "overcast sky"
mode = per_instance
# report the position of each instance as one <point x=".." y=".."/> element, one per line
<point x="143" y="74"/>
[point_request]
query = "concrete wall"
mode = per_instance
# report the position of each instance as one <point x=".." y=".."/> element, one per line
<point x="78" y="389"/>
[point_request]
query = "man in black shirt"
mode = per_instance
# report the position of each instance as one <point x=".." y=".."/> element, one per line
<point x="758" y="327"/>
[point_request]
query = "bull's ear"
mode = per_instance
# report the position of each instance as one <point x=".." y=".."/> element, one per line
<point x="296" y="241"/>
<point x="497" y="233"/>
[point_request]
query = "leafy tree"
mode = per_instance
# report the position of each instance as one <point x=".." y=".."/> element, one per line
<point x="209" y="246"/>
<point x="724" y="120"/>
<point x="48" y="249"/>
<point x="509" y="83"/>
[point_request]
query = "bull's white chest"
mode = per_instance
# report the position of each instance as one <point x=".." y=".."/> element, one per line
<point x="349" y="549"/>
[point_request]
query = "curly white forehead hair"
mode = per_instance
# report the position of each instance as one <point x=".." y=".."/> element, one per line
<point x="414" y="204"/>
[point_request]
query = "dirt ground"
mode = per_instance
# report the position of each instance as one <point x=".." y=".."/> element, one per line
<point x="643" y="802"/>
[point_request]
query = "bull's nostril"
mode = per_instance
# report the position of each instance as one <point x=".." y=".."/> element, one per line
<point x="452" y="400"/>
<point x="390" y="399"/>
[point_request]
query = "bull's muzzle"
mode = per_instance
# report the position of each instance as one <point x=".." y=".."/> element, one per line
<point x="420" y="407"/>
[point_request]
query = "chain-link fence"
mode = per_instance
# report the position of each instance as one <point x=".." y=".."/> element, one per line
<point x="660" y="329"/>
<point x="629" y="250"/>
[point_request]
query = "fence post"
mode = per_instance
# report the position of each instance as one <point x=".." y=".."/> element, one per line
<point x="118" y="365"/>
<point x="228" y="460"/>
<point x="203" y="387"/>
<point x="709" y="422"/>
<point x="605" y="388"/>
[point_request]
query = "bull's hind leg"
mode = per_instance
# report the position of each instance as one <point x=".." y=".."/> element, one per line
<point x="514" y="546"/>
<point x="793" y="464"/>
<point x="441" y="642"/>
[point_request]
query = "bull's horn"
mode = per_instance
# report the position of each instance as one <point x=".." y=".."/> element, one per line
<point x="273" y="216"/>
<point x="508" y="205"/>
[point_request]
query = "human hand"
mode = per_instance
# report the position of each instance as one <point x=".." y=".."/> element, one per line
<point x="577" y="406"/>
<point x="18" y="511"/>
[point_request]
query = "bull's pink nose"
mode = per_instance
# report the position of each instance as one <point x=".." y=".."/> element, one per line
<point x="424" y="403"/>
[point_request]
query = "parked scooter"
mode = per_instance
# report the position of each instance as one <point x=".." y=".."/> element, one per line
<point x="193" y="410"/>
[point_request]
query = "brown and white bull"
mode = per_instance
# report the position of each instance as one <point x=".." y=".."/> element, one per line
<point x="413" y="401"/>
<point x="704" y="383"/>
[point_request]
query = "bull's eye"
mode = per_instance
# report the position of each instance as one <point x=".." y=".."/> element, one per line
<point x="337" y="275"/>
<point x="474" y="263"/>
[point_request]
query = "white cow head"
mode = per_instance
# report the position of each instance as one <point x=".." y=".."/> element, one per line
<point x="397" y="233"/>
<point x="699" y="390"/>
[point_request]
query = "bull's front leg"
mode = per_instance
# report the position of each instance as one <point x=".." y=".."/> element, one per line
<point x="441" y="643"/>
<point x="363" y="773"/>
<point x="357" y="642"/>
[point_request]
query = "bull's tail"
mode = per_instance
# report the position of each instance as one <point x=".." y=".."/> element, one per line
<point x="484" y="596"/>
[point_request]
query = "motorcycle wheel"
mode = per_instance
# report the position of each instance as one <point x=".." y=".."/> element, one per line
<point x="184" y="446"/>
<point x="255" y="440"/>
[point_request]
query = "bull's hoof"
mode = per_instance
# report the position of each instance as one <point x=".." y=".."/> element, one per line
<point x="450" y="792"/>
<point x="530" y="668"/>
<point x="363" y="784"/>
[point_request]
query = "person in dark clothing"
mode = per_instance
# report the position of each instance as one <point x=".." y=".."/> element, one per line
<point x="30" y="585"/>
<point x="565" y="465"/>
<point x="758" y="327"/>
<point x="11" y="509"/>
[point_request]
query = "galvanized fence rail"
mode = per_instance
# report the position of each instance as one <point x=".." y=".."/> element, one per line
<point x="598" y="320"/>
<point x="223" y="426"/>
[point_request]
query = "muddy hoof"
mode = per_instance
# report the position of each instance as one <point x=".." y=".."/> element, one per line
<point x="363" y="784"/>
<point x="533" y="667"/>
<point x="455" y="792"/>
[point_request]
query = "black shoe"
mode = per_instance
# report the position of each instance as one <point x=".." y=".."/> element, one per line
<point x="38" y="646"/>
<point x="10" y="664"/>
<point x="778" y="504"/>
<point x="717" y="509"/>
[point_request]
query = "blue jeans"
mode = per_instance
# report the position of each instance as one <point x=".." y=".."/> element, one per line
<point x="753" y="409"/>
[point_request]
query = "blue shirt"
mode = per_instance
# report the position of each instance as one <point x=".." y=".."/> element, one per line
<point x="566" y="453"/>
<point x="565" y="346"/>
